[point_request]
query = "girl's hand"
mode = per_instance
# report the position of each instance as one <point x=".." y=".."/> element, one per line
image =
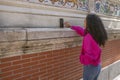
<point x="67" y="24"/>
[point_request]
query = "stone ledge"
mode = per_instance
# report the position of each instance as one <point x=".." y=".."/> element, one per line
<point x="37" y="46"/>
<point x="24" y="34"/>
<point x="9" y="34"/>
<point x="11" y="48"/>
<point x="46" y="33"/>
<point x="117" y="77"/>
<point x="110" y="72"/>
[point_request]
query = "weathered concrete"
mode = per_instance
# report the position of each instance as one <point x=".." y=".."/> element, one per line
<point x="110" y="72"/>
<point x="9" y="48"/>
<point x="12" y="34"/>
<point x="117" y="78"/>
<point x="25" y="41"/>
<point x="45" y="33"/>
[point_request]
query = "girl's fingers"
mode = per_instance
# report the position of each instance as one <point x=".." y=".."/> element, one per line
<point x="67" y="24"/>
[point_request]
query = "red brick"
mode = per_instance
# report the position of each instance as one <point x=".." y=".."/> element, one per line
<point x="2" y="60"/>
<point x="30" y="64"/>
<point x="24" y="78"/>
<point x="42" y="57"/>
<point x="30" y="72"/>
<point x="4" y="74"/>
<point x="10" y="68"/>
<point x="36" y="74"/>
<point x="3" y="65"/>
<point x="12" y="77"/>
<point x="35" y="58"/>
<point x="21" y="61"/>
<point x="21" y="70"/>
<point x="8" y="78"/>
<point x="35" y="78"/>
<point x="36" y="66"/>
<point x="17" y="76"/>
<point x="29" y="55"/>
<point x="45" y="53"/>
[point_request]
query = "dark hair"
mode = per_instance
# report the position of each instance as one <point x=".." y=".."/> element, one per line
<point x="96" y="28"/>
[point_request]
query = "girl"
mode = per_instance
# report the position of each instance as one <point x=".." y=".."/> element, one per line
<point x="94" y="36"/>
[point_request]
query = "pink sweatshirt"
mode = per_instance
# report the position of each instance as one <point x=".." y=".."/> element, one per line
<point x="91" y="51"/>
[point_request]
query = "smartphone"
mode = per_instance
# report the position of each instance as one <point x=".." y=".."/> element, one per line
<point x="61" y="23"/>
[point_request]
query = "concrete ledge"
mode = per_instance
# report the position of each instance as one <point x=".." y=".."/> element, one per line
<point x="12" y="34"/>
<point x="110" y="72"/>
<point x="14" y="48"/>
<point x="117" y="78"/>
<point x="24" y="34"/>
<point x="45" y="33"/>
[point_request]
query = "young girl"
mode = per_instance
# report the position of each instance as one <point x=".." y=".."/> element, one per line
<point x="94" y="36"/>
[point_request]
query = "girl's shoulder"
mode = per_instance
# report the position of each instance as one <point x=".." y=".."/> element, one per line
<point x="88" y="36"/>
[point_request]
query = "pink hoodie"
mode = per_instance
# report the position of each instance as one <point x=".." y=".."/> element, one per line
<point x="91" y="51"/>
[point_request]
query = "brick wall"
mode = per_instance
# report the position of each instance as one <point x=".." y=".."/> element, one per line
<point x="60" y="64"/>
<point x="111" y="52"/>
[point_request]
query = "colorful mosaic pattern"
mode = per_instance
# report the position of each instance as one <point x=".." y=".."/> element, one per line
<point x="107" y="7"/>
<point x="72" y="4"/>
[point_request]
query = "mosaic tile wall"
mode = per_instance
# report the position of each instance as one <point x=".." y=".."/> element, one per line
<point x="71" y="4"/>
<point x="109" y="7"/>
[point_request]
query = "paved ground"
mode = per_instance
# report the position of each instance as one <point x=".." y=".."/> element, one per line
<point x="117" y="78"/>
